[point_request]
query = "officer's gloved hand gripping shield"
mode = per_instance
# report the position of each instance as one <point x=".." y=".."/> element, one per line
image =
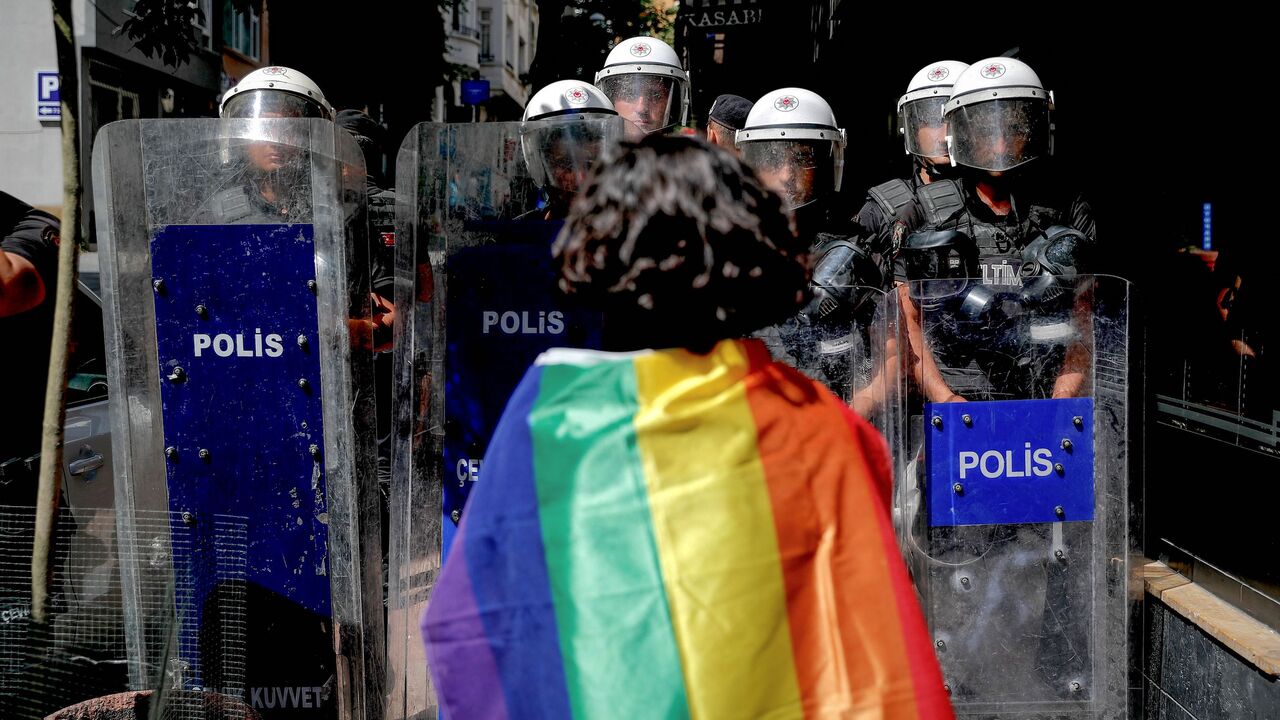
<point x="1012" y="494"/>
<point x="235" y="289"/>
<point x="846" y="337"/>
<point x="479" y="207"/>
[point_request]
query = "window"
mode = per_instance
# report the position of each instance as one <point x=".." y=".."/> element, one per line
<point x="486" y="36"/>
<point x="457" y="14"/>
<point x="206" y="27"/>
<point x="88" y="379"/>
<point x="109" y="103"/>
<point x="241" y="30"/>
<point x="523" y="66"/>
<point x="1211" y="420"/>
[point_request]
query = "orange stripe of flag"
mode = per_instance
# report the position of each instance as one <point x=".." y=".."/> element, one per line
<point x="848" y="596"/>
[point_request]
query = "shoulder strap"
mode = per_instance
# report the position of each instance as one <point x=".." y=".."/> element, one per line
<point x="893" y="197"/>
<point x="940" y="200"/>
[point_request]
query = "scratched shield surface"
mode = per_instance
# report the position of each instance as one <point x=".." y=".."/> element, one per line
<point x="234" y="266"/>
<point x="1014" y="508"/>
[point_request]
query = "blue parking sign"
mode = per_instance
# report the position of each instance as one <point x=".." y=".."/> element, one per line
<point x="48" y="100"/>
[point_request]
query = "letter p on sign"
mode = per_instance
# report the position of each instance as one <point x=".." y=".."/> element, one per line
<point x="48" y="95"/>
<point x="48" y="87"/>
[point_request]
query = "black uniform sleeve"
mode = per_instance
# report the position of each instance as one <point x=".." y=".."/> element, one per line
<point x="32" y="234"/>
<point x="874" y="232"/>
<point x="871" y="231"/>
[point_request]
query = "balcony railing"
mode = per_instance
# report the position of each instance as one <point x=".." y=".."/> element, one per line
<point x="460" y="30"/>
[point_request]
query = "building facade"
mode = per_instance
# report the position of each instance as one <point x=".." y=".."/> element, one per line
<point x="508" y="38"/>
<point x="462" y="30"/>
<point x="117" y="82"/>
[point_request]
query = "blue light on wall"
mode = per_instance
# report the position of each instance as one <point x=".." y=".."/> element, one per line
<point x="1207" y="222"/>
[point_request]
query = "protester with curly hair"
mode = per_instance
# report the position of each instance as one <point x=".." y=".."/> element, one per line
<point x="680" y="246"/>
<point x="677" y="525"/>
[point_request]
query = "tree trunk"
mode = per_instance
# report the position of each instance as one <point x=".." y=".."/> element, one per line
<point x="55" y="400"/>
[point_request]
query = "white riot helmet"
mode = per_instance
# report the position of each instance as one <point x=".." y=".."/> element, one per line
<point x="998" y="116"/>
<point x="920" y="109"/>
<point x="275" y="91"/>
<point x="564" y="131"/>
<point x="648" y="87"/>
<point x="792" y="140"/>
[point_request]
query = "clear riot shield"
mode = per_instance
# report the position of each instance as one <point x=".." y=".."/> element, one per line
<point x="235" y="286"/>
<point x="1013" y="506"/>
<point x="478" y="208"/>
<point x="852" y="350"/>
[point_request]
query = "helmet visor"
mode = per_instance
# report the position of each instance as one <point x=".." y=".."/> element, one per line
<point x="790" y="168"/>
<point x="923" y="127"/>
<point x="561" y="151"/>
<point x="272" y="104"/>
<point x="650" y="102"/>
<point x="999" y="135"/>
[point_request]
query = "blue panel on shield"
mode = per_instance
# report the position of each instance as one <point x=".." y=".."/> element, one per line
<point x="503" y="310"/>
<point x="1009" y="462"/>
<point x="239" y="361"/>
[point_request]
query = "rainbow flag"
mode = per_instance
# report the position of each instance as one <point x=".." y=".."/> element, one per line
<point x="666" y="535"/>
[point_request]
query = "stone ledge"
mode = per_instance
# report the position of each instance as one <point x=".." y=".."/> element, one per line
<point x="1258" y="644"/>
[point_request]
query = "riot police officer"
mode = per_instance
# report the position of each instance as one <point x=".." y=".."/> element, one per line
<point x="498" y="264"/>
<point x="272" y="190"/>
<point x="1001" y="218"/>
<point x="793" y="141"/>
<point x="382" y="221"/>
<point x="368" y="135"/>
<point x="890" y="208"/>
<point x="726" y="117"/>
<point x="998" y="304"/>
<point x="257" y="223"/>
<point x="371" y="137"/>
<point x="559" y="143"/>
<point x="920" y="121"/>
<point x="28" y="273"/>
<point x="643" y="78"/>
<point x="865" y="256"/>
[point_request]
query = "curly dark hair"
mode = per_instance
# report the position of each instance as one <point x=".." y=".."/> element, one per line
<point x="680" y="245"/>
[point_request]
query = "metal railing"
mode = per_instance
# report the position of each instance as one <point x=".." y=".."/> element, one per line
<point x="460" y="30"/>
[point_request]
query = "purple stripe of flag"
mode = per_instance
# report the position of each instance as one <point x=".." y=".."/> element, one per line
<point x="507" y="590"/>
<point x="463" y="668"/>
